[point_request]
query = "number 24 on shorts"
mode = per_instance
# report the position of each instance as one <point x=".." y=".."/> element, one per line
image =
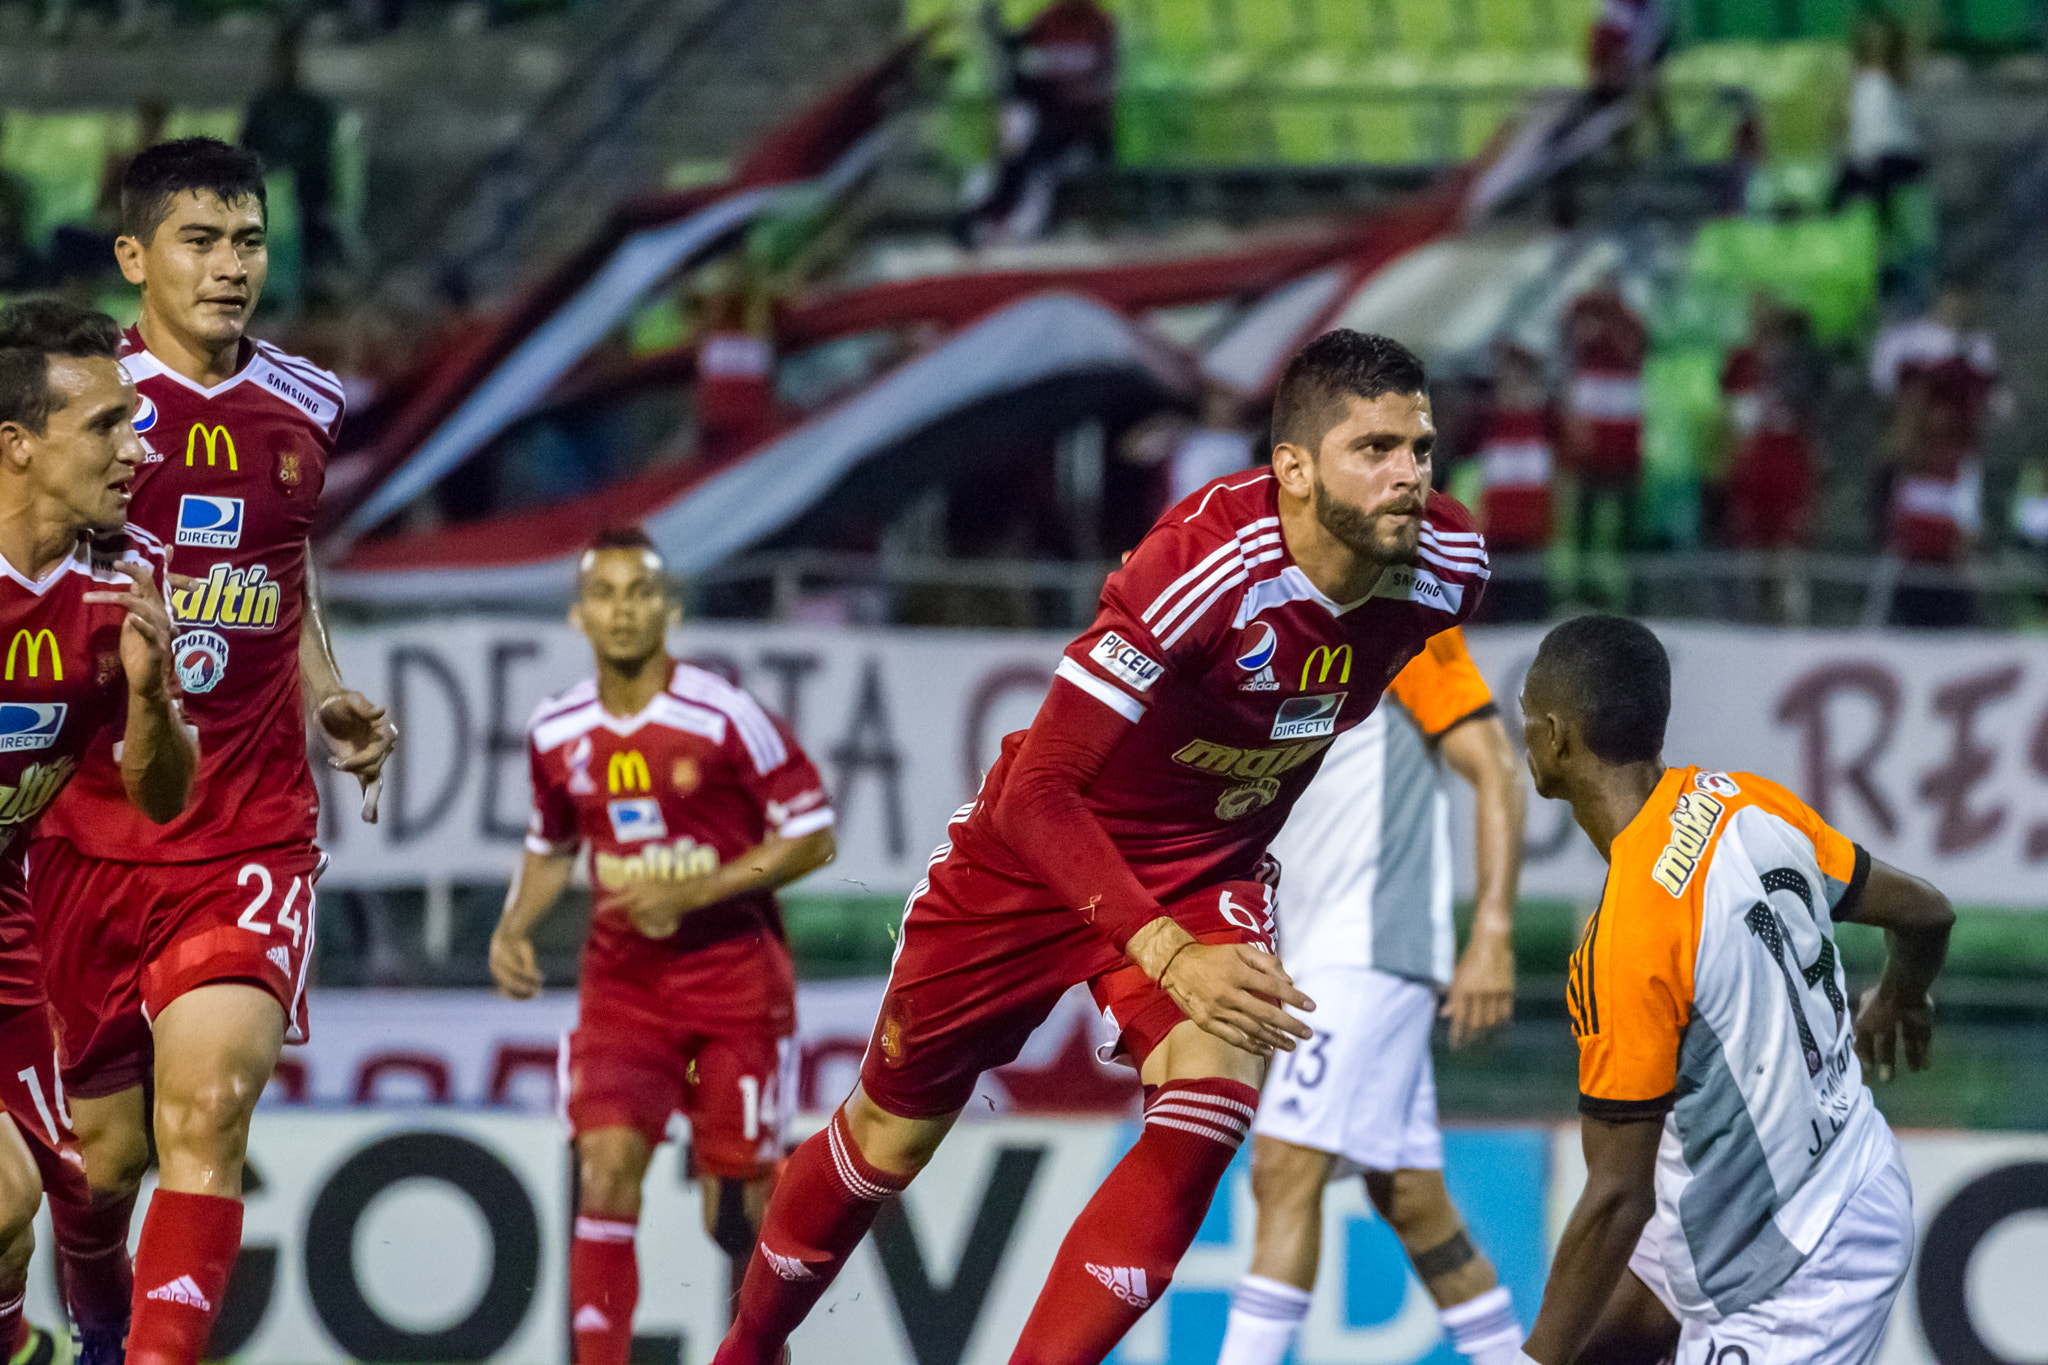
<point x="287" y="916"/>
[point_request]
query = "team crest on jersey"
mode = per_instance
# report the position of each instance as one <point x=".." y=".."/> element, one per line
<point x="201" y="658"/>
<point x="1308" y="717"/>
<point x="288" y="471"/>
<point x="1692" y="825"/>
<point x="1239" y="802"/>
<point x="30" y="725"/>
<point x="1261" y="645"/>
<point x="684" y="776"/>
<point x="636" y="819"/>
<point x="1720" y="784"/>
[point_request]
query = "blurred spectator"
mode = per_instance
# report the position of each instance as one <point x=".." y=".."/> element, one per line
<point x="1514" y="480"/>
<point x="1605" y="344"/>
<point x="735" y="360"/>
<point x="1940" y="377"/>
<point x="1627" y="42"/>
<point x="152" y="117"/>
<point x="1885" y="157"/>
<point x="1058" y="122"/>
<point x="1769" y="388"/>
<point x="18" y="265"/>
<point x="1187" y="454"/>
<point x="293" y="129"/>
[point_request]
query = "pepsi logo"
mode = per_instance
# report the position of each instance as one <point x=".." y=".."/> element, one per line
<point x="1264" y="645"/>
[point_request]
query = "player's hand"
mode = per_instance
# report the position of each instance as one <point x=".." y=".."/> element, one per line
<point x="1482" y="993"/>
<point x="359" y="738"/>
<point x="513" y="966"/>
<point x="145" y="635"/>
<point x="1235" y="991"/>
<point x="1882" y="1018"/>
<point x="656" y="907"/>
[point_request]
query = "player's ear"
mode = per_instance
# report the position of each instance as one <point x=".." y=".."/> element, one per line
<point x="576" y="618"/>
<point x="1294" y="468"/>
<point x="15" y="443"/>
<point x="128" y="252"/>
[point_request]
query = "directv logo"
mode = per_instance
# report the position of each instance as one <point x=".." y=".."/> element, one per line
<point x="638" y="819"/>
<point x="213" y="522"/>
<point x="27" y="725"/>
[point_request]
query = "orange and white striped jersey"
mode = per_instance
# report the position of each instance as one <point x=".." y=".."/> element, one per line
<point x="1707" y="991"/>
<point x="1365" y="856"/>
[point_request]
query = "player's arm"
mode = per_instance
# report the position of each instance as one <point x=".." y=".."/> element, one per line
<point x="1230" y="990"/>
<point x="657" y="907"/>
<point x="542" y="876"/>
<point x="1619" y="1198"/>
<point x="359" y="735"/>
<point x="1916" y="920"/>
<point x="1482" y="991"/>
<point x="157" y="755"/>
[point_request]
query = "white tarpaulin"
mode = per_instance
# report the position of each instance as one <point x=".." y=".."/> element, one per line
<point x="1931" y="749"/>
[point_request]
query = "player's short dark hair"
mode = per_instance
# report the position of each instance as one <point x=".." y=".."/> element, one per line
<point x="161" y="173"/>
<point x="620" y="538"/>
<point x="1615" y="673"/>
<point x="1333" y="369"/>
<point x="30" y="333"/>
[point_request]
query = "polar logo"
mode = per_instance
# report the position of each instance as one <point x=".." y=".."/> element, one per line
<point x="201" y="658"/>
<point x="212" y="522"/>
<point x="637" y="820"/>
<point x="30" y="725"/>
<point x="1265" y="644"/>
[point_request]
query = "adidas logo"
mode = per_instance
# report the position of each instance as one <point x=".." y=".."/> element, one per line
<point x="1261" y="681"/>
<point x="181" y="1290"/>
<point x="788" y="1267"/>
<point x="282" y="958"/>
<point x="1125" y="1281"/>
<point x="591" y="1318"/>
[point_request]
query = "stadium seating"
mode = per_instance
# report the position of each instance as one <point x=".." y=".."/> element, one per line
<point x="59" y="155"/>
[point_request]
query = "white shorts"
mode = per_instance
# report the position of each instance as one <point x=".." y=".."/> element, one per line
<point x="1833" y="1308"/>
<point x="1362" y="1088"/>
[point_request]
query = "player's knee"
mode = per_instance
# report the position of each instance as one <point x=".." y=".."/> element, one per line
<point x="1286" y="1180"/>
<point x="210" y="1114"/>
<point x="116" y="1159"/>
<point x="1416" y="1205"/>
<point x="17" y="1246"/>
<point x="611" y="1164"/>
<point x="890" y="1143"/>
<point x="727" y="1218"/>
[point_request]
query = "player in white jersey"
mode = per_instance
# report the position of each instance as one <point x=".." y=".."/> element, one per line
<point x="1366" y="914"/>
<point x="1744" y="1198"/>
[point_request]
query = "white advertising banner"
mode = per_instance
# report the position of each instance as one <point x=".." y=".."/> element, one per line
<point x="385" y="1235"/>
<point x="1931" y="749"/>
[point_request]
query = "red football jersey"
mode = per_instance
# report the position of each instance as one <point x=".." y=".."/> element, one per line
<point x="698" y="777"/>
<point x="230" y="483"/>
<point x="63" y="702"/>
<point x="1239" y="673"/>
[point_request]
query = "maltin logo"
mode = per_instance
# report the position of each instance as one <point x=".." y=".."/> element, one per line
<point x="213" y="522"/>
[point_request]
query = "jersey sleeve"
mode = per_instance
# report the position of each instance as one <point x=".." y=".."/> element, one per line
<point x="1630" y="997"/>
<point x="791" y="793"/>
<point x="1844" y="864"/>
<point x="1451" y="566"/>
<point x="551" y="827"/>
<point x="1441" y="686"/>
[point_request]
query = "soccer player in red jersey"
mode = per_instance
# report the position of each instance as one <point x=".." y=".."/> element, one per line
<point x="193" y="976"/>
<point x="695" y="805"/>
<point x="78" y="678"/>
<point x="1120" y="841"/>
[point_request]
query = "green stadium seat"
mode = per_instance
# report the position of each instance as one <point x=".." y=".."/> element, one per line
<point x="1834" y="19"/>
<point x="1508" y="26"/>
<point x="1351" y="26"/>
<point x="59" y="156"/>
<point x="1265" y="26"/>
<point x="1757" y="20"/>
<point x="1426" y="25"/>
<point x="1185" y="28"/>
<point x="1997" y="24"/>
<point x="1489" y="88"/>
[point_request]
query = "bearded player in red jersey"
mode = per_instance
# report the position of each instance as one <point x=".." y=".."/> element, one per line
<point x="1120" y="841"/>
<point x="87" y="667"/>
<point x="695" y="805"/>
<point x="193" y="975"/>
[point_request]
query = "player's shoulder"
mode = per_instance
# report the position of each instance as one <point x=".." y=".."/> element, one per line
<point x="132" y="543"/>
<point x="758" y="732"/>
<point x="315" y="392"/>
<point x="1451" y="542"/>
<point x="1663" y="854"/>
<point x="1212" y="543"/>
<point x="567" y="715"/>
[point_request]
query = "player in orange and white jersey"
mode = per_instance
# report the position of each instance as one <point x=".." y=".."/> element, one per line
<point x="1736" y="1168"/>
<point x="1365" y="918"/>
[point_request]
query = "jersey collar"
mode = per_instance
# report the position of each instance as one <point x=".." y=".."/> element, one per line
<point x="79" y="558"/>
<point x="141" y="363"/>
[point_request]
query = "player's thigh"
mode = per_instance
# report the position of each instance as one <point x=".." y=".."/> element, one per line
<point x="249" y="919"/>
<point x="216" y="1048"/>
<point x="89" y="917"/>
<point x="1359" y="1086"/>
<point x="38" y="1139"/>
<point x="623" y="1076"/>
<point x="735" y="1102"/>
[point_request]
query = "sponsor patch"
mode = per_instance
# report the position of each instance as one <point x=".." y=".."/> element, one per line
<point x="201" y="658"/>
<point x="30" y="725"/>
<point x="1720" y="784"/>
<point x="145" y="414"/>
<point x="1308" y="717"/>
<point x="231" y="598"/>
<point x="636" y="819"/>
<point x="1407" y="583"/>
<point x="213" y="522"/>
<point x="1125" y="662"/>
<point x="1692" y="827"/>
<point x="1263" y="645"/>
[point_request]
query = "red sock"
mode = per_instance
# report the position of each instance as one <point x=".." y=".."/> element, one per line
<point x="188" y="1249"/>
<point x="604" y="1286"/>
<point x="93" y="1263"/>
<point x="13" y="1328"/>
<point x="823" y="1205"/>
<point x="1121" y="1252"/>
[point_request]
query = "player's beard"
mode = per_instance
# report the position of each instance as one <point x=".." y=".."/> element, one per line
<point x="1372" y="536"/>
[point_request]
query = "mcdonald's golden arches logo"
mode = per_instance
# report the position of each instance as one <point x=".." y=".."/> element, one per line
<point x="215" y="438"/>
<point x="35" y="640"/>
<point x="627" y="772"/>
<point x="1322" y="659"/>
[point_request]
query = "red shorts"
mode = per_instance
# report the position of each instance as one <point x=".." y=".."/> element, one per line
<point x="982" y="961"/>
<point x="737" y="1090"/>
<point x="122" y="940"/>
<point x="33" y="1094"/>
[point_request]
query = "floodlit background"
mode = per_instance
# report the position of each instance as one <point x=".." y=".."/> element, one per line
<point x="895" y="331"/>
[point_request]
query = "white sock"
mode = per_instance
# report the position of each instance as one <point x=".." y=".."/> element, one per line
<point x="1264" y="1316"/>
<point x="1484" y="1329"/>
